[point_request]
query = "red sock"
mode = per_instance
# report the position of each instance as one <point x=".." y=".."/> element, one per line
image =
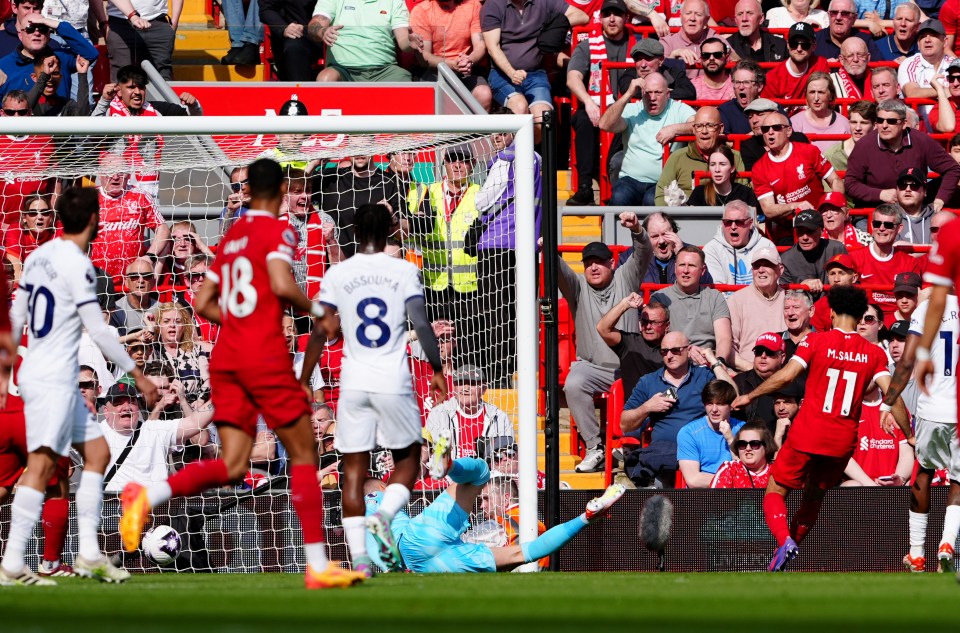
<point x="804" y="519"/>
<point x="307" y="500"/>
<point x="775" y="513"/>
<point x="56" y="518"/>
<point x="198" y="476"/>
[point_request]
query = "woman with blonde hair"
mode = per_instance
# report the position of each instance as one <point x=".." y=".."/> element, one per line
<point x="820" y="117"/>
<point x="794" y="11"/>
<point x="177" y="345"/>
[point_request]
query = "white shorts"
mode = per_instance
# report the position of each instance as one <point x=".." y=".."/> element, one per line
<point x="366" y="420"/>
<point x="56" y="417"/>
<point x="938" y="446"/>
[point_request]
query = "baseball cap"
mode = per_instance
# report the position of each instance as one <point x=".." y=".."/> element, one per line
<point x="120" y="390"/>
<point x="468" y="373"/>
<point x="596" y="250"/>
<point x="808" y="220"/>
<point x="765" y="253"/>
<point x="954" y="65"/>
<point x="761" y="105"/>
<point x="843" y="261"/>
<point x="907" y="282"/>
<point x="932" y="25"/>
<point x="460" y="152"/>
<point x="835" y="199"/>
<point x="912" y="173"/>
<point x="804" y="30"/>
<point x="293" y="107"/>
<point x="619" y="5"/>
<point x="771" y="341"/>
<point x="899" y="329"/>
<point x="647" y="46"/>
<point x="790" y="390"/>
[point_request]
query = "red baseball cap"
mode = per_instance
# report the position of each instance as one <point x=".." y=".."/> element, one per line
<point x="834" y="198"/>
<point x="771" y="341"/>
<point x="843" y="260"/>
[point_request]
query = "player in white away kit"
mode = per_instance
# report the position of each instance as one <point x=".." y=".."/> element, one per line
<point x="935" y="424"/>
<point x="374" y="294"/>
<point x="56" y="298"/>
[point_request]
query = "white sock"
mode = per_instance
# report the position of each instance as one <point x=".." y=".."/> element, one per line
<point x="158" y="493"/>
<point x="89" y="502"/>
<point x="395" y="498"/>
<point x="918" y="533"/>
<point x="25" y="512"/>
<point x="49" y="565"/>
<point x="316" y="555"/>
<point x="355" y="531"/>
<point x="951" y="525"/>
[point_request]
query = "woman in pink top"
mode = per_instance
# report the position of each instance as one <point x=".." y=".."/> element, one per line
<point x="819" y="117"/>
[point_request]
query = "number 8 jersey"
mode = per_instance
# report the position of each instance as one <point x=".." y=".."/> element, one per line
<point x="370" y="291"/>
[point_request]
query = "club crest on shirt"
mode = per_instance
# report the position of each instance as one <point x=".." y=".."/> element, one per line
<point x="800" y="172"/>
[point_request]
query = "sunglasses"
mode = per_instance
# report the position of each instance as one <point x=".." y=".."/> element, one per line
<point x="676" y="351"/>
<point x="887" y="225"/>
<point x="889" y="120"/>
<point x="741" y="223"/>
<point x="763" y="351"/>
<point x="608" y="12"/>
<point x="934" y="229"/>
<point x="869" y="319"/>
<point x="192" y="277"/>
<point x="799" y="43"/>
<point x="237" y="186"/>
<point x="87" y="384"/>
<point x="35" y="212"/>
<point x="43" y="29"/>
<point x="139" y="275"/>
<point x="714" y="55"/>
<point x="841" y="14"/>
<point x="754" y="444"/>
<point x="910" y="186"/>
<point x="953" y="78"/>
<point x="12" y="112"/>
<point x="776" y="127"/>
<point x="646" y="321"/>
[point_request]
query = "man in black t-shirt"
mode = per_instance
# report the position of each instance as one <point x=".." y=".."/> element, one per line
<point x="639" y="353"/>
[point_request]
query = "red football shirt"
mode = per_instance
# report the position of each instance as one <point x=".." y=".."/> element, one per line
<point x="797" y="177"/>
<point x="841" y="366"/>
<point x="735" y="475"/>
<point x="782" y="84"/>
<point x="20" y="242"/>
<point x="880" y="272"/>
<point x="331" y="362"/>
<point x="877" y="451"/>
<point x="249" y="310"/>
<point x="820" y="321"/>
<point x="469" y="429"/>
<point x="123" y="225"/>
<point x="20" y="155"/>
<point x="422" y="373"/>
<point x="950" y="18"/>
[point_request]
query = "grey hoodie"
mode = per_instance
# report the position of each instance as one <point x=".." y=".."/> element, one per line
<point x="916" y="230"/>
<point x="729" y="265"/>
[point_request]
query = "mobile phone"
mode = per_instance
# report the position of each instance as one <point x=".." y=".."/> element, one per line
<point x="670" y="393"/>
<point x="886" y="478"/>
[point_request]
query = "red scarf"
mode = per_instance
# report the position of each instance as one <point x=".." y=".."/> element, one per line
<point x="847" y="88"/>
<point x="132" y="151"/>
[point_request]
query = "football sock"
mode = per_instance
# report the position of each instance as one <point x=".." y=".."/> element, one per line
<point x="89" y="500"/>
<point x="316" y="554"/>
<point x="553" y="539"/>
<point x="395" y="498"/>
<point x="24" y="514"/>
<point x="918" y="533"/>
<point x="197" y="477"/>
<point x="951" y="525"/>
<point x="355" y="532"/>
<point x="307" y="499"/>
<point x="775" y="514"/>
<point x="159" y="493"/>
<point x="55" y="518"/>
<point x="804" y="519"/>
<point x="469" y="470"/>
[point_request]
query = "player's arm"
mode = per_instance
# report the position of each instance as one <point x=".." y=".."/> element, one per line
<point x="8" y="341"/>
<point x="784" y="376"/>
<point x="18" y="316"/>
<point x="283" y="285"/>
<point x="316" y="341"/>
<point x="207" y="301"/>
<point x="417" y="313"/>
<point x="931" y="328"/>
<point x="898" y="409"/>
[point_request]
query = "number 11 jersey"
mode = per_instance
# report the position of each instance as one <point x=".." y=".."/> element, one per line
<point x="370" y="291"/>
<point x="840" y="367"/>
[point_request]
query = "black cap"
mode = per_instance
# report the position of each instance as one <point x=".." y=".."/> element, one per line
<point x="619" y="5"/>
<point x="470" y="374"/>
<point x="907" y="282"/>
<point x="293" y="107"/>
<point x="596" y="250"/>
<point x="460" y="152"/>
<point x="802" y="29"/>
<point x="808" y="220"/>
<point x="789" y="390"/>
<point x="120" y="390"/>
<point x="900" y="329"/>
<point x="912" y="173"/>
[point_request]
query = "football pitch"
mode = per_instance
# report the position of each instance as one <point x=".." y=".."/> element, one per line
<point x="581" y="602"/>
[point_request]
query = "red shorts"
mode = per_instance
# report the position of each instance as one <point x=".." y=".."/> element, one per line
<point x="13" y="451"/>
<point x="238" y="396"/>
<point x="797" y="469"/>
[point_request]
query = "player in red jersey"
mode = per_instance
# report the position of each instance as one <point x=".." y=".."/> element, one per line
<point x="842" y="367"/>
<point x="245" y="292"/>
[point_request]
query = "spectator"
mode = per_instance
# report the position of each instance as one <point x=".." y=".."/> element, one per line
<point x="237" y="200"/>
<point x="294" y="52"/>
<point x="10" y="34"/>
<point x="754" y="447"/>
<point x="748" y="80"/>
<point x="794" y="11"/>
<point x="169" y="392"/>
<point x="700" y="313"/>
<point x="837" y="225"/>
<point x="706" y="443"/>
<point x="876" y="164"/>
<point x="786" y="406"/>
<point x="517" y="78"/>
<point x="871" y="326"/>
<point x="863" y="117"/>
<point x="245" y="31"/>
<point x="450" y="32"/>
<point x="879" y="263"/>
<point x="663" y="231"/>
<point x="902" y="43"/>
<point x="589" y="297"/>
<point x="911" y="192"/>
<point x="714" y="82"/>
<point x="639" y="353"/>
<point x="906" y="291"/>
<point x="805" y="262"/>
<point x="46" y="77"/>
<point x="943" y="116"/>
<point x="20" y="153"/>
<point x="184" y="243"/>
<point x="852" y="79"/>
<point x="841" y="271"/>
<point x="881" y="458"/>
<point x="820" y="117"/>
<point x="758" y="307"/>
<point x="895" y="344"/>
<point x="36" y="228"/>
<point x="754" y="148"/>
<point x="400" y="170"/>
<point x="730" y="250"/>
<point x="330" y="364"/>
<point x="767" y="357"/>
<point x="649" y="126"/>
<point x="694" y="31"/>
<point x="720" y="188"/>
<point x="789" y="177"/>
<point x="931" y="61"/>
<point x="136" y="310"/>
<point x="317" y="243"/>
<point x="290" y="148"/>
<point x="679" y="168"/>
<point x="788" y="79"/>
<point x="466" y="416"/>
<point x="664" y="402"/>
<point x="797" y="313"/>
<point x="883" y="84"/>
<point x="421" y="370"/>
<point x="140" y="352"/>
<point x="176" y="345"/>
<point x="362" y="40"/>
<point x="196" y="272"/>
<point x="343" y="190"/>
<point x="142" y="30"/>
<point x="953" y="147"/>
<point x="751" y="41"/>
<point x="842" y="15"/>
<point x="648" y="57"/>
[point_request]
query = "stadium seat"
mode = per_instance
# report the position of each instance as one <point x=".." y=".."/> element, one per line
<point x="613" y="436"/>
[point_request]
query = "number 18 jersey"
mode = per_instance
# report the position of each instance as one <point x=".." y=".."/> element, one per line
<point x="370" y="291"/>
<point x="840" y="367"/>
<point x="251" y="334"/>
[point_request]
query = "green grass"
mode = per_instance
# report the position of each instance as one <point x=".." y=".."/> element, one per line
<point x="495" y="603"/>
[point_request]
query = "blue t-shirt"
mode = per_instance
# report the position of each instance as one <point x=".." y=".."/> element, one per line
<point x="889" y="51"/>
<point x="698" y="442"/>
<point x="688" y="407"/>
<point x="643" y="159"/>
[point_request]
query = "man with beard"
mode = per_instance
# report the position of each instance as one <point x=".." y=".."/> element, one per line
<point x="805" y="263"/>
<point x="714" y="81"/>
<point x="788" y="79"/>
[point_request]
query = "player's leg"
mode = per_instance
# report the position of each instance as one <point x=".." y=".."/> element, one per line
<point x="915" y="560"/>
<point x="806" y="515"/>
<point x="934" y="448"/>
<point x="24" y="514"/>
<point x="951" y="520"/>
<point x="56" y="520"/>
<point x="355" y="468"/>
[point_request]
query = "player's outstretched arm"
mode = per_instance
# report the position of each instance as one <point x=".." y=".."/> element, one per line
<point x="787" y="374"/>
<point x="207" y="301"/>
<point x="898" y="409"/>
<point x="311" y="356"/>
<point x="903" y="371"/>
<point x="283" y="285"/>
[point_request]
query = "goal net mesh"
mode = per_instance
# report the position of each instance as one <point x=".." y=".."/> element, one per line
<point x="437" y="186"/>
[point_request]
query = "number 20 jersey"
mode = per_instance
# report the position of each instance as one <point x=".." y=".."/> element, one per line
<point x="370" y="291"/>
<point x="251" y="334"/>
<point x="840" y="367"/>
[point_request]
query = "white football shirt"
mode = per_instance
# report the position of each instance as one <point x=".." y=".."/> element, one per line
<point x="941" y="404"/>
<point x="370" y="293"/>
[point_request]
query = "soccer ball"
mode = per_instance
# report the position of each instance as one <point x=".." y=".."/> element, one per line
<point x="161" y="544"/>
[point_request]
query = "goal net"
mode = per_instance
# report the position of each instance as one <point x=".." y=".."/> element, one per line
<point x="461" y="189"/>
